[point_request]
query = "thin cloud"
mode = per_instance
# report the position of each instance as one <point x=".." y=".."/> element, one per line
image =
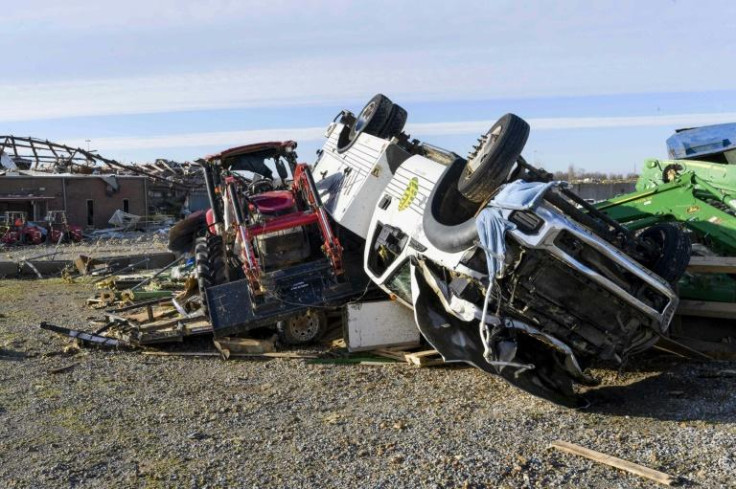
<point x="450" y="74"/>
<point x="225" y="138"/>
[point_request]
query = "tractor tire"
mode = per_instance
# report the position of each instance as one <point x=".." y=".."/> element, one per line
<point x="675" y="249"/>
<point x="210" y="265"/>
<point x="303" y="328"/>
<point x="489" y="165"/>
<point x="372" y="120"/>
<point x="182" y="234"/>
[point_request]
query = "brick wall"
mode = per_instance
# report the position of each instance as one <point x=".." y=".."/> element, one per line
<point x="78" y="191"/>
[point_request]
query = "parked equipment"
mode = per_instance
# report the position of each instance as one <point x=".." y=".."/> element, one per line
<point x="18" y="230"/>
<point x="59" y="229"/>
<point x="696" y="191"/>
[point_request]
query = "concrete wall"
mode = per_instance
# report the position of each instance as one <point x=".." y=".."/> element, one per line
<point x="602" y="191"/>
<point x="75" y="191"/>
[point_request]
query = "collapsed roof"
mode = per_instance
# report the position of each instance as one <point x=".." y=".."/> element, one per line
<point x="21" y="154"/>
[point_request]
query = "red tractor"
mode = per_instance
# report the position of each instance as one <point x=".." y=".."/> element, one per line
<point x="18" y="230"/>
<point x="59" y="229"/>
<point x="268" y="254"/>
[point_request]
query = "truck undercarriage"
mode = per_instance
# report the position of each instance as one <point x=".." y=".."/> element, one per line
<point x="570" y="287"/>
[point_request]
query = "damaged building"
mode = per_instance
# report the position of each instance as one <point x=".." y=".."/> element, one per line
<point x="37" y="176"/>
<point x="88" y="200"/>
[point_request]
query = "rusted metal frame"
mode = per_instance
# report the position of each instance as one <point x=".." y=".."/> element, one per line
<point x="73" y="152"/>
<point x="250" y="263"/>
<point x="35" y="153"/>
<point x="143" y="172"/>
<point x="331" y="244"/>
<point x="15" y="148"/>
<point x="51" y="148"/>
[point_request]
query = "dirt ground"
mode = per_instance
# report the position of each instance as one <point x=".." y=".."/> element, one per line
<point x="141" y="242"/>
<point x="122" y="419"/>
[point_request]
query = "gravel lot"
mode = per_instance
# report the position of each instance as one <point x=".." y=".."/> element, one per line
<point x="122" y="419"/>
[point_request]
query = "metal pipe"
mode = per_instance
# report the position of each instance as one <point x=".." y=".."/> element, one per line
<point x="111" y="272"/>
<point x="170" y="265"/>
<point x="211" y="194"/>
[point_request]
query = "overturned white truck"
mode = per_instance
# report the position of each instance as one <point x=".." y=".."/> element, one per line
<point x="504" y="268"/>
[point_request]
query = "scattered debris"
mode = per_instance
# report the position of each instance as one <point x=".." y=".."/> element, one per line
<point x="435" y="258"/>
<point x="426" y="358"/>
<point x="616" y="462"/>
<point x="81" y="336"/>
<point x="381" y="324"/>
<point x="229" y="346"/>
<point x="65" y="368"/>
<point x="286" y="355"/>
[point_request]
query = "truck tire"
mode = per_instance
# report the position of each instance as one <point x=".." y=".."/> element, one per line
<point x="395" y="123"/>
<point x="371" y="120"/>
<point x="210" y="264"/>
<point x="489" y="165"/>
<point x="303" y="328"/>
<point x="449" y="217"/>
<point x="675" y="249"/>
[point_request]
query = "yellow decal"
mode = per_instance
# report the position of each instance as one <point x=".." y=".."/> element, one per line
<point x="409" y="194"/>
<point x="693" y="209"/>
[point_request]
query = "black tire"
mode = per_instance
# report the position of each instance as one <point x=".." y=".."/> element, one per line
<point x="449" y="217"/>
<point x="371" y="120"/>
<point x="675" y="251"/>
<point x="395" y="124"/>
<point x="210" y="264"/>
<point x="303" y="328"/>
<point x="183" y="233"/>
<point x="489" y="165"/>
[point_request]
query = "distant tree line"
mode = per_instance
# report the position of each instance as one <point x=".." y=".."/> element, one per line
<point x="580" y="174"/>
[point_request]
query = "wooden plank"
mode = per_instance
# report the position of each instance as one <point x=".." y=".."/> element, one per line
<point x="394" y="355"/>
<point x="672" y="346"/>
<point x="716" y="350"/>
<point x="616" y="462"/>
<point x="426" y="358"/>
<point x="707" y="309"/>
<point x="230" y="346"/>
<point x="155" y="315"/>
<point x="712" y="264"/>
<point x="217" y="354"/>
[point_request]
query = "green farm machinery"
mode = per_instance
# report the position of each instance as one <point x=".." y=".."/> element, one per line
<point x="696" y="189"/>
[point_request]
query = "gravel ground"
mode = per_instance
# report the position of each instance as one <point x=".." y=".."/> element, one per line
<point x="122" y="419"/>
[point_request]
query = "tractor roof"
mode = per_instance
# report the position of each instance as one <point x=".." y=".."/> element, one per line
<point x="265" y="150"/>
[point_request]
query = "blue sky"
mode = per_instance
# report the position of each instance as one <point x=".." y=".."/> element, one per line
<point x="603" y="84"/>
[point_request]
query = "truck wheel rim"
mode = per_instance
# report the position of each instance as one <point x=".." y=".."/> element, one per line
<point x="305" y="328"/>
<point x="486" y="142"/>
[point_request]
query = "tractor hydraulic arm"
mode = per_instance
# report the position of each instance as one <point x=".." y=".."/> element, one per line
<point x="331" y="244"/>
<point x="250" y="262"/>
<point x="686" y="199"/>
